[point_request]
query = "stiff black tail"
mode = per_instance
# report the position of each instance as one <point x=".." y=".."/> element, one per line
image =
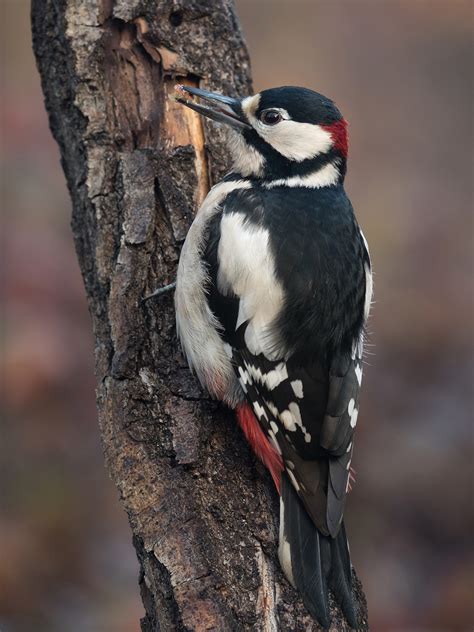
<point x="313" y="562"/>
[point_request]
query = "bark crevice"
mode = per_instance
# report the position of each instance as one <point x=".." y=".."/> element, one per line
<point x="203" y="513"/>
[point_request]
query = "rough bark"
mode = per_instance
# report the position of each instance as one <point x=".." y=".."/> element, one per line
<point x="202" y="511"/>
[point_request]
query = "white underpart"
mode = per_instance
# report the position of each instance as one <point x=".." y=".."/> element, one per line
<point x="197" y="326"/>
<point x="284" y="551"/>
<point x="324" y="177"/>
<point x="246" y="269"/>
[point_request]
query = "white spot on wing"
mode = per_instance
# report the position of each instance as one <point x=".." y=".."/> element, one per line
<point x="276" y="377"/>
<point x="244" y="379"/>
<point x="358" y="372"/>
<point x="274" y="427"/>
<point x="288" y="420"/>
<point x="353" y="412"/>
<point x="354" y="416"/>
<point x="272" y="408"/>
<point x="273" y="439"/>
<point x="297" y="386"/>
<point x="254" y="371"/>
<point x="260" y="410"/>
<point x="295" y="411"/>
<point x="293" y="480"/>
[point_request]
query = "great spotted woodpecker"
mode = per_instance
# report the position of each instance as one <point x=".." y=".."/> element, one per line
<point x="273" y="291"/>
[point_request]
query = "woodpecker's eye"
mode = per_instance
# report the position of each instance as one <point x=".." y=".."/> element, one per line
<point x="270" y="117"/>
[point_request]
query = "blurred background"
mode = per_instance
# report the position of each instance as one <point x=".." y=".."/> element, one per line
<point x="401" y="71"/>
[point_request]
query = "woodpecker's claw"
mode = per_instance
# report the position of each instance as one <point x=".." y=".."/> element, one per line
<point x="160" y="291"/>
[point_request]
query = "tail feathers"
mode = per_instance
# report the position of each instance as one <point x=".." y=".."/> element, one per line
<point x="313" y="562"/>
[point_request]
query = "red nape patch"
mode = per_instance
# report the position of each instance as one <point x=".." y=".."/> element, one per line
<point x="340" y="136"/>
<point x="259" y="442"/>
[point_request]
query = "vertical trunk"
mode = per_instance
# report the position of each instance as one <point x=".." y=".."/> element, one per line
<point x="202" y="512"/>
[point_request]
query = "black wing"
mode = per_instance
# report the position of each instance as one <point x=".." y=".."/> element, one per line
<point x="307" y="400"/>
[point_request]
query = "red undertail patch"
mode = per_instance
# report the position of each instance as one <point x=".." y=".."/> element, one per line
<point x="259" y="442"/>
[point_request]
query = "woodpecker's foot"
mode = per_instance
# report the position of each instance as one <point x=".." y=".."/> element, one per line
<point x="160" y="291"/>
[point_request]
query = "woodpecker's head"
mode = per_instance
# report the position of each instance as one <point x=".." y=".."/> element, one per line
<point x="284" y="132"/>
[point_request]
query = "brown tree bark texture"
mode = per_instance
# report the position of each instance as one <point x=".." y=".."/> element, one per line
<point x="203" y="512"/>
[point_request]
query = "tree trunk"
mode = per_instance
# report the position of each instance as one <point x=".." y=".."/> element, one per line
<point x="203" y="512"/>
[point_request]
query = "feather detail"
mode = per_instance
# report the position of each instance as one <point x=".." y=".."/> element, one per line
<point x="259" y="442"/>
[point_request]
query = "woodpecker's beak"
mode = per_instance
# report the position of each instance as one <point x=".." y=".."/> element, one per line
<point x="222" y="109"/>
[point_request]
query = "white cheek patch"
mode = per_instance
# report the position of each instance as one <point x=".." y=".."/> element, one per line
<point x="246" y="269"/>
<point x="296" y="141"/>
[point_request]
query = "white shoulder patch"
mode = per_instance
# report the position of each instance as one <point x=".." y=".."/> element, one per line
<point x="246" y="269"/>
